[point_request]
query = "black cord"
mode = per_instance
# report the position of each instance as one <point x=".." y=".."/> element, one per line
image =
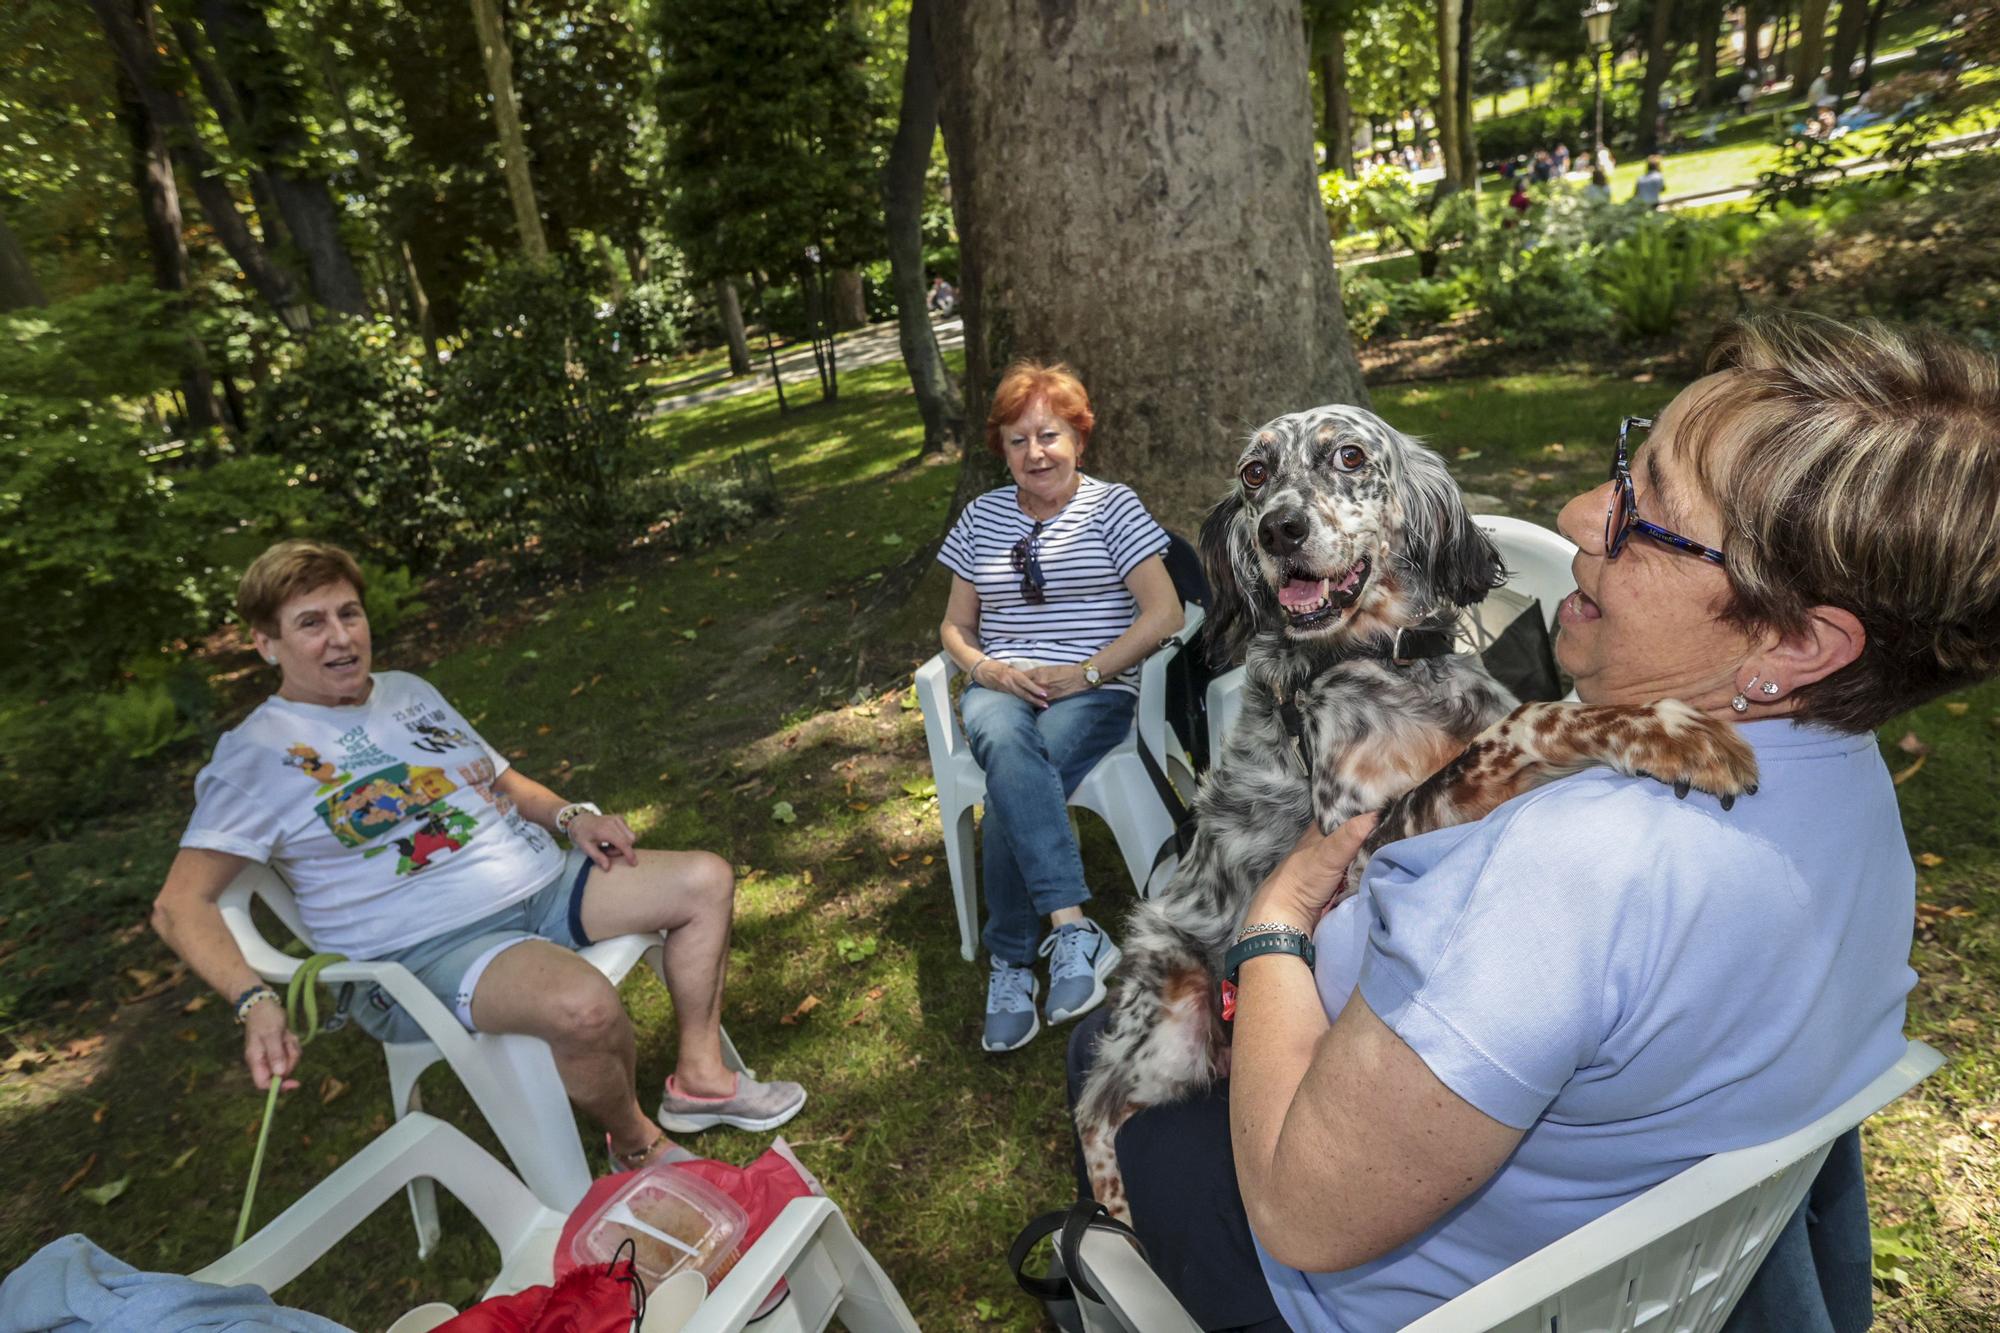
<point x="627" y="1253"/>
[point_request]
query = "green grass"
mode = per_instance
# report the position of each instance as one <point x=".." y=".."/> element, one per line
<point x="790" y="690"/>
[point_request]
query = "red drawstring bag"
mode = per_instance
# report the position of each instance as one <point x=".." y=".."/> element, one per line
<point x="599" y="1298"/>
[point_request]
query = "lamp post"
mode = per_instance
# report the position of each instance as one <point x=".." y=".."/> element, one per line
<point x="1597" y="28"/>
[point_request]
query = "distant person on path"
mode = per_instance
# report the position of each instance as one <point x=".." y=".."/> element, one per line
<point x="406" y="838"/>
<point x="1599" y="189"/>
<point x="943" y="297"/>
<point x="1543" y="168"/>
<point x="1817" y="94"/>
<point x="1561" y="158"/>
<point x="1652" y="183"/>
<point x="1746" y="96"/>
<point x="1059" y="590"/>
<point x="1519" y="202"/>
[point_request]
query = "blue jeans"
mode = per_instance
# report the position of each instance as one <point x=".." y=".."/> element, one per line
<point x="1033" y="760"/>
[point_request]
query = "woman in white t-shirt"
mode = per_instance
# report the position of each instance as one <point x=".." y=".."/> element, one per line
<point x="1058" y="591"/>
<point x="406" y="837"/>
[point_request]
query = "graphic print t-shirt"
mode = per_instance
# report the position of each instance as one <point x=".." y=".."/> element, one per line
<point x="381" y="816"/>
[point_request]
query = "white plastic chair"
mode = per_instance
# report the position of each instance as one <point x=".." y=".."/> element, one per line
<point x="1538" y="567"/>
<point x="512" y="1078"/>
<point x="810" y="1245"/>
<point x="1117" y="789"/>
<point x="1674" y="1260"/>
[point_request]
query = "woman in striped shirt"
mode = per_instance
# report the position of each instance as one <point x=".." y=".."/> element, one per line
<point x="1058" y="591"/>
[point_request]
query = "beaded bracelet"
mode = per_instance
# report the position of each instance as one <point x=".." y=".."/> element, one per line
<point x="251" y="998"/>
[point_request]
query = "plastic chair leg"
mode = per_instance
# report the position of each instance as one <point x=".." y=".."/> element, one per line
<point x="407" y="1062"/>
<point x="964" y="879"/>
<point x="531" y="1117"/>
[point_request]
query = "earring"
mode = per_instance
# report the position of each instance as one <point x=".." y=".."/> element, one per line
<point x="270" y="661"/>
<point x="1770" y="687"/>
<point x="1740" y="704"/>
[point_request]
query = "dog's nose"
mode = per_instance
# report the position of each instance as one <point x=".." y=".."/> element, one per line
<point x="1282" y="531"/>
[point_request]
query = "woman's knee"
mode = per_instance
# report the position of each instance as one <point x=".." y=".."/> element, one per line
<point x="586" y="1013"/>
<point x="713" y="881"/>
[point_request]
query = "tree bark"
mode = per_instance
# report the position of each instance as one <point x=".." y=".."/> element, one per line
<point x="1866" y="78"/>
<point x="1190" y="281"/>
<point x="216" y="89"/>
<point x="1660" y="53"/>
<point x="1847" y="32"/>
<point x="160" y="210"/>
<point x="850" y="299"/>
<point x="938" y="400"/>
<point x="258" y="74"/>
<point x="1811" y="53"/>
<point x="1753" y="61"/>
<point x="136" y="56"/>
<point x="1707" y="31"/>
<point x="19" y="287"/>
<point x="732" y="326"/>
<point x="1468" y="134"/>
<point x="1451" y="76"/>
<point x="420" y="301"/>
<point x="507" y="124"/>
<point x="1339" y="110"/>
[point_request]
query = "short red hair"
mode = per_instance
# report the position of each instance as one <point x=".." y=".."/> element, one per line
<point x="1056" y="385"/>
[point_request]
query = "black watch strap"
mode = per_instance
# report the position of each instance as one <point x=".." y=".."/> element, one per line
<point x="1257" y="946"/>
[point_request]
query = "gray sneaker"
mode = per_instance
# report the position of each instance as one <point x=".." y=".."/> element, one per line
<point x="1011" y="1020"/>
<point x="1083" y="957"/>
<point x="752" y="1106"/>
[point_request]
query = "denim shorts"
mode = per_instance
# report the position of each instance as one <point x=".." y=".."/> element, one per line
<point x="449" y="965"/>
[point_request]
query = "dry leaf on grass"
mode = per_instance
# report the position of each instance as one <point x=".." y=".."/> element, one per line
<point x="196" y="1005"/>
<point x="330" y="1088"/>
<point x="806" y="1006"/>
<point x="1911" y="745"/>
<point x="77" y="1177"/>
<point x="1929" y="860"/>
<point x="1958" y="708"/>
<point x="104" y="1194"/>
<point x="1906" y="774"/>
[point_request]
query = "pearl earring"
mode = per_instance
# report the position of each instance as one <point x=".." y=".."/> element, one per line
<point x="270" y="661"/>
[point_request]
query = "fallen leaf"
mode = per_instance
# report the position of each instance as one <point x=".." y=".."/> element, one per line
<point x="22" y="1061"/>
<point x="782" y="812"/>
<point x="1911" y="771"/>
<point x="544" y="729"/>
<point x="1929" y="860"/>
<point x="1958" y="708"/>
<point x="857" y="805"/>
<point x="78" y="1047"/>
<point x="929" y="859"/>
<point x="704" y="622"/>
<point x="1911" y="745"/>
<point x="805" y="876"/>
<point x="104" y="1194"/>
<point x="188" y="1035"/>
<point x="77" y="1178"/>
<point x="806" y="1006"/>
<point x="142" y="977"/>
<point x="183" y="1159"/>
<point x="97" y="1116"/>
<point x="330" y="1089"/>
<point x="623" y="607"/>
<point x="196" y="1005"/>
<point x="688" y="634"/>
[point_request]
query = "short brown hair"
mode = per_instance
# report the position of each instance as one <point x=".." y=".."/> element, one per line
<point x="1025" y="381"/>
<point x="286" y="570"/>
<point x="1858" y="466"/>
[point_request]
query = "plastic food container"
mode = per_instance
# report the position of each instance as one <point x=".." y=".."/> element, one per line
<point x="674" y="1220"/>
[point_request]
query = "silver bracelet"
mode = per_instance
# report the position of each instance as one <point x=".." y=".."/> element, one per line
<point x="1270" y="928"/>
<point x="973" y="673"/>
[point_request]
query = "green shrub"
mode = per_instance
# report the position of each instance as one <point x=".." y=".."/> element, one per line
<point x="142" y="719"/>
<point x="392" y="598"/>
<point x="1424" y="302"/>
<point x="1387" y="199"/>
<point x="1364" y="301"/>
<point x="353" y="416"/>
<point x="1653" y="277"/>
<point x="696" y="510"/>
<point x="649" y="320"/>
<point x="548" y="408"/>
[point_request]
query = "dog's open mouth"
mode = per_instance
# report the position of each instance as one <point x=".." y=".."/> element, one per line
<point x="1311" y="601"/>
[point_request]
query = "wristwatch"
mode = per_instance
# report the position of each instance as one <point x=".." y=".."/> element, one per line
<point x="567" y="816"/>
<point x="1091" y="675"/>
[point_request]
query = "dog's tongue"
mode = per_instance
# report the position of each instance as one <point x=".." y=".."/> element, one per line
<point x="1301" y="592"/>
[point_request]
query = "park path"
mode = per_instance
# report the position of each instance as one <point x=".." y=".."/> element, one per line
<point x="870" y="345"/>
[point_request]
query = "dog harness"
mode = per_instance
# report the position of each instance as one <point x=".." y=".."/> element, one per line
<point x="1408" y="646"/>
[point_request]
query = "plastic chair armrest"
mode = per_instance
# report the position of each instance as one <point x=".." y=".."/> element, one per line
<point x="933" y="684"/>
<point x="1153" y="682"/>
<point x="739" y="1293"/>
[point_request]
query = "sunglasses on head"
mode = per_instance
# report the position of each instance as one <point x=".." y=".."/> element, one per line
<point x="1028" y="561"/>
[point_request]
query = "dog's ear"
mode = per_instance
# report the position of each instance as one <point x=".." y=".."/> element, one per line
<point x="1455" y="557"/>
<point x="1232" y="606"/>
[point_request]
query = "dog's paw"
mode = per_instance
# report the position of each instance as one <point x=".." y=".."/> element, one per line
<point x="1689" y="751"/>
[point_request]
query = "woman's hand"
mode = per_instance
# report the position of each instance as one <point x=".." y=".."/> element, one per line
<point x="1299" y="891"/>
<point x="1060" y="681"/>
<point x="269" y="1048"/>
<point x="587" y="832"/>
<point x="997" y="675"/>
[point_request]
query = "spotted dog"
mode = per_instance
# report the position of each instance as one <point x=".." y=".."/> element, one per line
<point x="1341" y="559"/>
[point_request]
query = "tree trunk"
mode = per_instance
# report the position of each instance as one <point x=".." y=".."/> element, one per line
<point x="160" y="210"/>
<point x="1452" y="74"/>
<point x="227" y="111"/>
<point x="1847" y="31"/>
<point x="137" y="57"/>
<point x="420" y="301"/>
<point x="1707" y="31"/>
<point x="1191" y="282"/>
<point x="1660" y="53"/>
<point x="1468" y="134"/>
<point x="850" y="299"/>
<point x="732" y="326"/>
<point x="260" y="76"/>
<point x="938" y="401"/>
<point x="1753" y="60"/>
<point x="1810" y="56"/>
<point x="19" y="288"/>
<point x="1866" y="78"/>
<point x="507" y="123"/>
<point x="1339" y="111"/>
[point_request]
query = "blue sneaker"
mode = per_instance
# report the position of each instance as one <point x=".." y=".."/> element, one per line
<point x="1084" y="957"/>
<point x="1011" y="1021"/>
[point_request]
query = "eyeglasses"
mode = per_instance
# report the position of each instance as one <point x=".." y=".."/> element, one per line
<point x="1028" y="561"/>
<point x="1622" y="519"/>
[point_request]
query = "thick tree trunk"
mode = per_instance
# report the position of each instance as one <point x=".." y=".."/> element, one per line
<point x="1707" y="36"/>
<point x="1866" y="78"/>
<point x="1190" y="283"/>
<point x="1847" y="33"/>
<point x="938" y="401"/>
<point x="19" y="288"/>
<point x="258" y="74"/>
<point x="216" y="89"/>
<point x="1811" y="55"/>
<point x="136" y="56"/>
<point x="732" y="326"/>
<point x="507" y="124"/>
<point x="1660" y="53"/>
<point x="1339" y="111"/>
<point x="1468" y="135"/>
<point x="850" y="300"/>
<point x="1452" y="75"/>
<point x="1753" y="58"/>
<point x="160" y="209"/>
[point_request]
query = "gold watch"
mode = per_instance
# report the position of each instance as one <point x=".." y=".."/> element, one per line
<point x="1091" y="675"/>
